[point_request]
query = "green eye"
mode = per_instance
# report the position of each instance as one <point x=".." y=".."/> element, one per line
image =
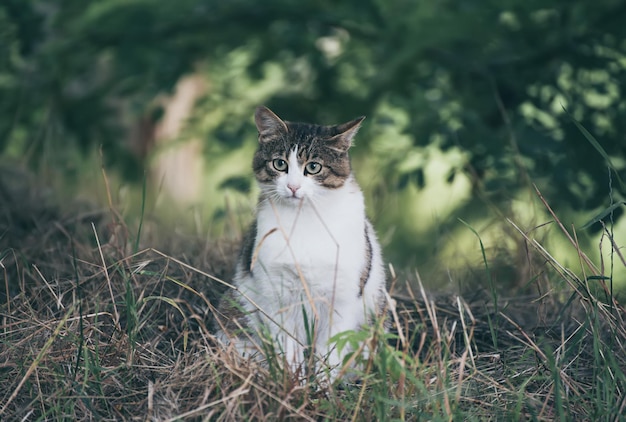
<point x="280" y="164"/>
<point x="313" y="167"/>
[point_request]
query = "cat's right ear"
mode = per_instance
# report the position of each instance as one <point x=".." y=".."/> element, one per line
<point x="268" y="124"/>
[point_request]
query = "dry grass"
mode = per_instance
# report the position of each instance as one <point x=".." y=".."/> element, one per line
<point x="92" y="330"/>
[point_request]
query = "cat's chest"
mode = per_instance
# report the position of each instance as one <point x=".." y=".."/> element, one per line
<point x="320" y="243"/>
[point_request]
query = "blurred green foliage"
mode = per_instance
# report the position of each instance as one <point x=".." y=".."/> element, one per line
<point x="488" y="87"/>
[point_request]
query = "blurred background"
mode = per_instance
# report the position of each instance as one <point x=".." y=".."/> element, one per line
<point x="469" y="104"/>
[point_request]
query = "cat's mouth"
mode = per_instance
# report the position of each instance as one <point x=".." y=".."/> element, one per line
<point x="294" y="198"/>
<point x="293" y="194"/>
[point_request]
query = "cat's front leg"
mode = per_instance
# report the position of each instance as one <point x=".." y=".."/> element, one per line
<point x="293" y="353"/>
<point x="335" y="357"/>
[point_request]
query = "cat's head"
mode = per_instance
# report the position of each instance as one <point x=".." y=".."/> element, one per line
<point x="301" y="160"/>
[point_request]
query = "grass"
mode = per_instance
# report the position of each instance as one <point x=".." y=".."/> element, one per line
<point x="96" y="325"/>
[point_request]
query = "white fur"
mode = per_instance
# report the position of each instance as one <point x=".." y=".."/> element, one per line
<point x="310" y="253"/>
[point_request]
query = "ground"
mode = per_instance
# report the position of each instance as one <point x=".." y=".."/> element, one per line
<point x="103" y="320"/>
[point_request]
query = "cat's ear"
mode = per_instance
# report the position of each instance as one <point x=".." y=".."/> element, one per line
<point x="346" y="131"/>
<point x="267" y="123"/>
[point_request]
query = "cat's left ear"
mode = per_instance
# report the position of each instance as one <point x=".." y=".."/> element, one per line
<point x="346" y="131"/>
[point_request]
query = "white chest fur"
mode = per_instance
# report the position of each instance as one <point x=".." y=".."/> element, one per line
<point x="321" y="243"/>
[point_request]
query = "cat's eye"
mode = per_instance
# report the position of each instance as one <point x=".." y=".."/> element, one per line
<point x="280" y="164"/>
<point x="313" y="167"/>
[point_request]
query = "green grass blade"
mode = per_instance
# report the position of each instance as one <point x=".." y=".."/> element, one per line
<point x="594" y="142"/>
<point x="177" y="307"/>
<point x="602" y="214"/>
<point x="492" y="287"/>
<point x="142" y="215"/>
<point x="35" y="363"/>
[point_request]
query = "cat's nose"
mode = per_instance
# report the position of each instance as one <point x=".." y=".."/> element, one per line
<point x="293" y="188"/>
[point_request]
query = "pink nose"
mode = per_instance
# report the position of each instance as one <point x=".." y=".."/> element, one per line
<point x="293" y="188"/>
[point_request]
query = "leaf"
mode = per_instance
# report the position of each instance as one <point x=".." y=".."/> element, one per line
<point x="241" y="184"/>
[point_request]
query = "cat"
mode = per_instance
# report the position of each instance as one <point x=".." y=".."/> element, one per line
<point x="310" y="265"/>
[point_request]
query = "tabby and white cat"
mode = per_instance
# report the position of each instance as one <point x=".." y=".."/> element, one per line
<point x="310" y="266"/>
